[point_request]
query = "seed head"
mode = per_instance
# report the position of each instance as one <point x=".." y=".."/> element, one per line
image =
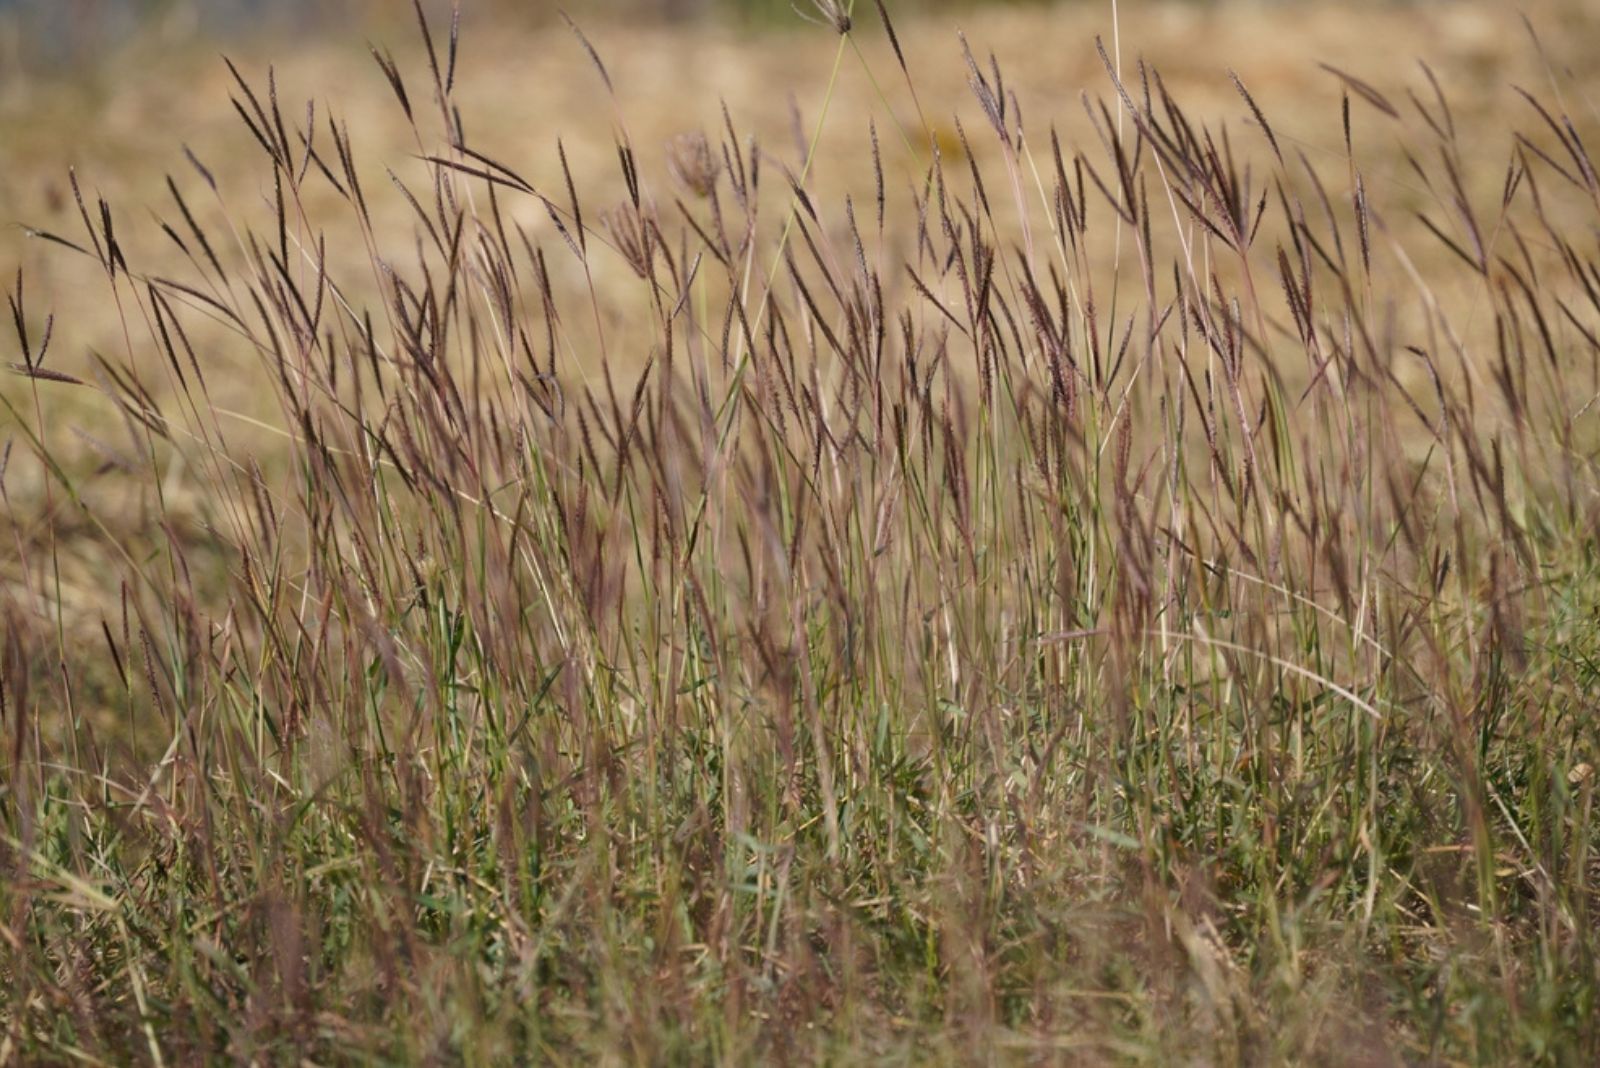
<point x="833" y="12"/>
<point x="693" y="164"/>
<point x="633" y="232"/>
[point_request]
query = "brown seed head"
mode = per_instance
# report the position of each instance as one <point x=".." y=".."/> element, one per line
<point x="632" y="231"/>
<point x="692" y="163"/>
<point x="834" y="13"/>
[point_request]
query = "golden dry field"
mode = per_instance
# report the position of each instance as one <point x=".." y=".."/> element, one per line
<point x="527" y="88"/>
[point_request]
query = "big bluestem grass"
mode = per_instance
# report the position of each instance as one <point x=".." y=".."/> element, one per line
<point x="1074" y="602"/>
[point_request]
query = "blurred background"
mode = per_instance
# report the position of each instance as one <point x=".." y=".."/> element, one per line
<point x="120" y="90"/>
<point x="44" y="33"/>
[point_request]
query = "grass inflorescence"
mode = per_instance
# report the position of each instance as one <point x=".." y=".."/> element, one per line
<point x="1066" y="601"/>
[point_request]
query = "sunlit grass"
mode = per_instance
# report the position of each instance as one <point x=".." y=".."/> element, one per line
<point x="1091" y="600"/>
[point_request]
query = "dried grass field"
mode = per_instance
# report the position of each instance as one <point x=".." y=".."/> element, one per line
<point x="1050" y="534"/>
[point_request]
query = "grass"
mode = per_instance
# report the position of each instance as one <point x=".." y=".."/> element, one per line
<point x="1128" y="598"/>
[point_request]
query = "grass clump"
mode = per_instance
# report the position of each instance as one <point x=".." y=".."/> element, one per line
<point x="1121" y="601"/>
